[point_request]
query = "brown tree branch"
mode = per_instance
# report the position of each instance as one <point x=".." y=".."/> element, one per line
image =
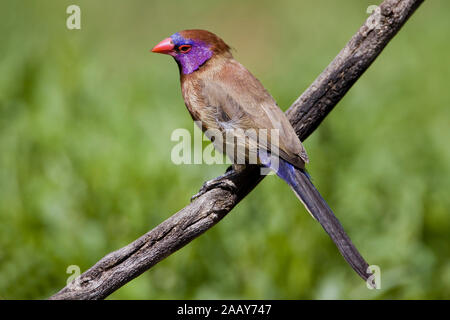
<point x="119" y="267"/>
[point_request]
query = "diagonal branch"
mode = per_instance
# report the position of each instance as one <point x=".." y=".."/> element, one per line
<point x="121" y="266"/>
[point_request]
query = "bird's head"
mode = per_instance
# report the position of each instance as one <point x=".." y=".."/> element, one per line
<point x="192" y="48"/>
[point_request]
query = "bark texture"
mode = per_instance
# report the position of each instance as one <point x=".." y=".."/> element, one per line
<point x="307" y="112"/>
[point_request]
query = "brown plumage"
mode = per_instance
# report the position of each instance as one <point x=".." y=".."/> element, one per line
<point x="225" y="98"/>
<point x="223" y="94"/>
<point x="216" y="44"/>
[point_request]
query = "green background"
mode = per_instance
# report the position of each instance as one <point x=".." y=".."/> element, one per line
<point x="85" y="123"/>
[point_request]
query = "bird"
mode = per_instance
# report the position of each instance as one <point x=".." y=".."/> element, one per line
<point x="223" y="97"/>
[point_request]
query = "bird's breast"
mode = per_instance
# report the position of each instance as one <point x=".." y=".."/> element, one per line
<point x="197" y="104"/>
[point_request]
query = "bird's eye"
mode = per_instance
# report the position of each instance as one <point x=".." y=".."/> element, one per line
<point x="185" y="48"/>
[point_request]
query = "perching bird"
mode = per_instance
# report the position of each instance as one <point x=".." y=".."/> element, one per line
<point x="224" y="96"/>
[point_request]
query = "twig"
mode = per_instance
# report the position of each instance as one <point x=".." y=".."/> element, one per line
<point x="123" y="265"/>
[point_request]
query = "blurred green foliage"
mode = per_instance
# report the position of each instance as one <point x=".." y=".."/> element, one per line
<point x="85" y="123"/>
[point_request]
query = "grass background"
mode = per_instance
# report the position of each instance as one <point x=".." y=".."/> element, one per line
<point x="85" y="124"/>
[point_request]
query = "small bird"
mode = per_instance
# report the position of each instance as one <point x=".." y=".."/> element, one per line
<point x="223" y="96"/>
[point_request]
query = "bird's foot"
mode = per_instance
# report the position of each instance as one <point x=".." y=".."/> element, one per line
<point x="222" y="182"/>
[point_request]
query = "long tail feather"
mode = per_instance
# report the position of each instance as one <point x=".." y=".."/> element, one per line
<point x="302" y="186"/>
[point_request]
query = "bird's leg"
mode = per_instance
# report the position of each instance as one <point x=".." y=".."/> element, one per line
<point x="222" y="182"/>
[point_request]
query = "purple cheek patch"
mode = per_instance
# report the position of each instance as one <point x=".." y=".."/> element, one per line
<point x="192" y="60"/>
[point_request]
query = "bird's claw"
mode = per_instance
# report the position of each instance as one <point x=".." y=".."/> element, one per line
<point x="221" y="182"/>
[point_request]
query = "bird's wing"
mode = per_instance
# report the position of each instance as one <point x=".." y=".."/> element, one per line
<point x="237" y="100"/>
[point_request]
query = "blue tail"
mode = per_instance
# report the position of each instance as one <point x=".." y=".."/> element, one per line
<point x="300" y="183"/>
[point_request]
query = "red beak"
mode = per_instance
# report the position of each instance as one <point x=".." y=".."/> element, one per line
<point x="164" y="46"/>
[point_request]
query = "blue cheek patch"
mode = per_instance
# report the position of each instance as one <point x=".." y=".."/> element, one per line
<point x="191" y="61"/>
